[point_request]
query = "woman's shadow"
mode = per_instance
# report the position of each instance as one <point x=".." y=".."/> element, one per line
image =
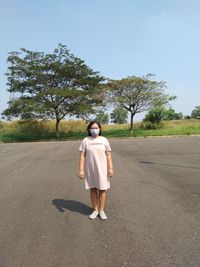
<point x="72" y="205"/>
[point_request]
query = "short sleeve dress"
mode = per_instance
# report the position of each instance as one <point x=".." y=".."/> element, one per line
<point x="95" y="167"/>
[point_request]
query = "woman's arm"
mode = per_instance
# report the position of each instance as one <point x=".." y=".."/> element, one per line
<point x="81" y="164"/>
<point x="109" y="162"/>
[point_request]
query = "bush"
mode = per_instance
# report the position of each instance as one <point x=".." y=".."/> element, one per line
<point x="148" y="125"/>
<point x="196" y="113"/>
<point x="155" y="115"/>
<point x="187" y="117"/>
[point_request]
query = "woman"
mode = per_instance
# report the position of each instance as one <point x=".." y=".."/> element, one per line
<point x="96" y="167"/>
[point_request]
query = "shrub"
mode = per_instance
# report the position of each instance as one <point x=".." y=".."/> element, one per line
<point x="151" y="125"/>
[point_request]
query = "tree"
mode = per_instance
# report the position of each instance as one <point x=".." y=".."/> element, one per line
<point x="138" y="94"/>
<point x="187" y="117"/>
<point x="158" y="114"/>
<point x="196" y="113"/>
<point x="155" y="115"/>
<point x="119" y="115"/>
<point x="170" y="114"/>
<point x="102" y="117"/>
<point x="51" y="86"/>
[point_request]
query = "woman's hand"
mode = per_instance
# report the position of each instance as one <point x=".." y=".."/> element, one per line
<point x="110" y="172"/>
<point x="81" y="174"/>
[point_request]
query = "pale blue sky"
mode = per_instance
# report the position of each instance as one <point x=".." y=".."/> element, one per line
<point x="118" y="38"/>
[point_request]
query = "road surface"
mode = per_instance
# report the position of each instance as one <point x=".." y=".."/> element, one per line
<point x="153" y="206"/>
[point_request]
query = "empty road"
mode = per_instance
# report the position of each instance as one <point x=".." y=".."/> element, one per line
<point x="153" y="206"/>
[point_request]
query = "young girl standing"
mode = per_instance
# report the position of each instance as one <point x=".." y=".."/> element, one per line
<point x="96" y="167"/>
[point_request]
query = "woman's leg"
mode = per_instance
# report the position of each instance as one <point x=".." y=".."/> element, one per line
<point x="94" y="198"/>
<point x="102" y="197"/>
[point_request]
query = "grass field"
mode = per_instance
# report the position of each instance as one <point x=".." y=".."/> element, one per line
<point x="17" y="131"/>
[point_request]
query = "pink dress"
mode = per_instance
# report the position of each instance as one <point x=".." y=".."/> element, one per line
<point x="95" y="168"/>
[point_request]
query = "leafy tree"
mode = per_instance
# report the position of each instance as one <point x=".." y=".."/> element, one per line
<point x="119" y="115"/>
<point x="170" y="114"/>
<point x="138" y="94"/>
<point x="187" y="117"/>
<point x="51" y="86"/>
<point x="196" y="113"/>
<point x="102" y="117"/>
<point x="155" y="115"/>
<point x="162" y="113"/>
<point x="179" y="116"/>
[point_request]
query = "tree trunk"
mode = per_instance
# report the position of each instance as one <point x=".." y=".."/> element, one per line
<point x="131" y="126"/>
<point x="57" y="128"/>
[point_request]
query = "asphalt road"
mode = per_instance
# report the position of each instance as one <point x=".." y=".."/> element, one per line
<point x="153" y="206"/>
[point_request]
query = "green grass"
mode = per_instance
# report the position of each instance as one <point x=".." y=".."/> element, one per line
<point x="19" y="137"/>
<point x="17" y="131"/>
<point x="156" y="132"/>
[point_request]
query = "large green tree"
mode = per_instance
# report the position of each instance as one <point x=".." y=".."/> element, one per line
<point x="138" y="94"/>
<point x="51" y="85"/>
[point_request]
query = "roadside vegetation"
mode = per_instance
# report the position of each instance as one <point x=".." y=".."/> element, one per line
<point x="45" y="89"/>
<point x="59" y="85"/>
<point x="20" y="131"/>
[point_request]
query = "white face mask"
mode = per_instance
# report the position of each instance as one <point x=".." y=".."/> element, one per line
<point x="94" y="132"/>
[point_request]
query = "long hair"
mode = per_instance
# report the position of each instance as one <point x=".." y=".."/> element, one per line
<point x="90" y="125"/>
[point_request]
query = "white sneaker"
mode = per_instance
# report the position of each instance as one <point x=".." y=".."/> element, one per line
<point x="102" y="215"/>
<point x="94" y="215"/>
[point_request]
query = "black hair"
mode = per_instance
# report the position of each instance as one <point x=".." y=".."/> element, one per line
<point x="90" y="125"/>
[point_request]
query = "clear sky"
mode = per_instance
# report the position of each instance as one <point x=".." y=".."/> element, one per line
<point x="118" y="38"/>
